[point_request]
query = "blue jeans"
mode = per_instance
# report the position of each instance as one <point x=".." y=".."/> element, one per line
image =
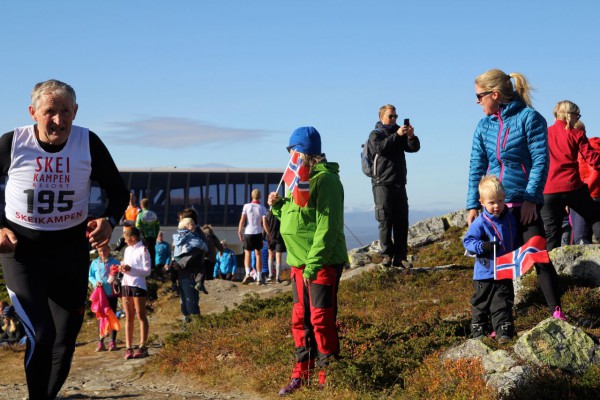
<point x="188" y="296"/>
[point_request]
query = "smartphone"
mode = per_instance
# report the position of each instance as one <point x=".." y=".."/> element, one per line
<point x="406" y="122"/>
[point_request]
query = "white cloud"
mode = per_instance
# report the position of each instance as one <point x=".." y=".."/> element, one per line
<point x="171" y="132"/>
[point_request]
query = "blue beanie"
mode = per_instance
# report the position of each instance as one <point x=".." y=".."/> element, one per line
<point x="306" y="139"/>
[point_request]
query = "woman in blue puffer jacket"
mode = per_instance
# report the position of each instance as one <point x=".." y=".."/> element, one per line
<point x="511" y="142"/>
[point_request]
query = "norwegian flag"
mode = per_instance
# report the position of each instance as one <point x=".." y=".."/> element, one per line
<point x="296" y="177"/>
<point x="515" y="264"/>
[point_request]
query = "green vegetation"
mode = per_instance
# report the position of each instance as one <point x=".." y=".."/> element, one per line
<point x="392" y="326"/>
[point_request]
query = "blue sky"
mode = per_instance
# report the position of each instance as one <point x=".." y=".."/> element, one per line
<point x="190" y="83"/>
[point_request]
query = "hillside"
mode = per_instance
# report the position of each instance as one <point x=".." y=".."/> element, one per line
<point x="392" y="326"/>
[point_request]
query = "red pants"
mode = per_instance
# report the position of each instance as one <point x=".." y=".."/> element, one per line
<point x="314" y="318"/>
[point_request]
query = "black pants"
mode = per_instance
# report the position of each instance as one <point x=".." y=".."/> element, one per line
<point x="46" y="278"/>
<point x="553" y="212"/>
<point x="150" y="243"/>
<point x="547" y="276"/>
<point x="582" y="229"/>
<point x="391" y="211"/>
<point x="492" y="303"/>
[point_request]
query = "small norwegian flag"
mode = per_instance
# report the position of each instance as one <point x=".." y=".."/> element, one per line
<point x="517" y="263"/>
<point x="296" y="177"/>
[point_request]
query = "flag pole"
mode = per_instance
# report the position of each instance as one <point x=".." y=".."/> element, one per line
<point x="495" y="270"/>
<point x="283" y="175"/>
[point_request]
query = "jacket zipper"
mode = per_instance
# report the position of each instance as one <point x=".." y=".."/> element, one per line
<point x="498" y="148"/>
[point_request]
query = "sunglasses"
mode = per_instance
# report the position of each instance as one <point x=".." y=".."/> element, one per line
<point x="393" y="116"/>
<point x="482" y="94"/>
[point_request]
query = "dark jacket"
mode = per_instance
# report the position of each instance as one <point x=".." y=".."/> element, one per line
<point x="389" y="164"/>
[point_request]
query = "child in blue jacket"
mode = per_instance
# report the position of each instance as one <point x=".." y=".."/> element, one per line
<point x="225" y="264"/>
<point x="494" y="229"/>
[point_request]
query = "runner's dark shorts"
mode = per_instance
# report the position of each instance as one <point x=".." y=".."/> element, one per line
<point x="133" y="291"/>
<point x="277" y="246"/>
<point x="253" y="242"/>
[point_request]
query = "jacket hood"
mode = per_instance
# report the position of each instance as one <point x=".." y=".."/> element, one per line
<point x="180" y="236"/>
<point x="332" y="167"/>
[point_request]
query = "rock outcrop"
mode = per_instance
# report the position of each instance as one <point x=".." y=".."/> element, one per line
<point x="579" y="260"/>
<point x="502" y="371"/>
<point x="553" y="343"/>
<point x="557" y="344"/>
<point x="431" y="229"/>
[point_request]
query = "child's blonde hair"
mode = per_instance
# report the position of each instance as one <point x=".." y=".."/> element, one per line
<point x="490" y="185"/>
<point x="186" y="223"/>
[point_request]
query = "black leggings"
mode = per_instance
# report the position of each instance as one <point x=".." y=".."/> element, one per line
<point x="553" y="212"/>
<point x="547" y="276"/>
<point x="46" y="278"/>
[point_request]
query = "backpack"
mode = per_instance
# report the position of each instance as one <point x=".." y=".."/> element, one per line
<point x="367" y="158"/>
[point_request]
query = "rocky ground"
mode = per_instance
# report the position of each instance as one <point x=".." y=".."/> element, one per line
<point x="106" y="375"/>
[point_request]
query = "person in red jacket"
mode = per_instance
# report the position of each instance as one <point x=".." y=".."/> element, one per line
<point x="582" y="231"/>
<point x="564" y="186"/>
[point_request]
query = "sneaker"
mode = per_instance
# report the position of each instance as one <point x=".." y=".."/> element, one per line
<point x="406" y="264"/>
<point x="112" y="346"/>
<point x="295" y="384"/>
<point x="279" y="280"/>
<point x="477" y="331"/>
<point x="141" y="352"/>
<point x="270" y="279"/>
<point x="128" y="354"/>
<point x="386" y="261"/>
<point x="246" y="280"/>
<point x="558" y="314"/>
<point x="201" y="288"/>
<point x="503" y="339"/>
<point x="100" y="347"/>
<point x="493" y="335"/>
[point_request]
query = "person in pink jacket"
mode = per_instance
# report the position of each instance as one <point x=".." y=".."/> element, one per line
<point x="564" y="186"/>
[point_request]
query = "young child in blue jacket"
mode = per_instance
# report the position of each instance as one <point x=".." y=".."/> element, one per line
<point x="496" y="228"/>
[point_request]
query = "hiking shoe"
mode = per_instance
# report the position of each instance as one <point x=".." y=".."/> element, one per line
<point x="503" y="339"/>
<point x="270" y="279"/>
<point x="201" y="288"/>
<point x="246" y="280"/>
<point x="141" y="352"/>
<point x="100" y="347"/>
<point x="128" y="354"/>
<point x="386" y="261"/>
<point x="295" y="384"/>
<point x="558" y="314"/>
<point x="112" y="346"/>
<point x="477" y="331"/>
<point x="279" y="280"/>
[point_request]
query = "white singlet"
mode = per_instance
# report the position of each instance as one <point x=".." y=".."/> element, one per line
<point x="254" y="214"/>
<point x="48" y="191"/>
